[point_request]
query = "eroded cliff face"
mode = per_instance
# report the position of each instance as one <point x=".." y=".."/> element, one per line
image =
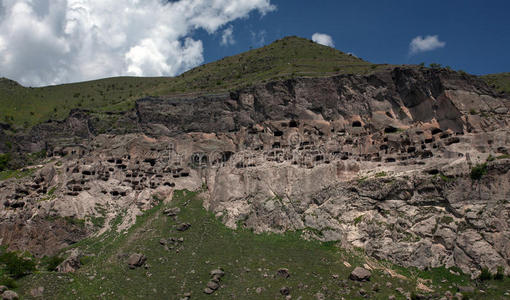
<point x="382" y="162"/>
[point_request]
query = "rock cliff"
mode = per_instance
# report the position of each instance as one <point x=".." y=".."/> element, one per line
<point x="410" y="164"/>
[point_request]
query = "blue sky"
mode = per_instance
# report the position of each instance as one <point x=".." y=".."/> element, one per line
<point x="476" y="33"/>
<point x="46" y="42"/>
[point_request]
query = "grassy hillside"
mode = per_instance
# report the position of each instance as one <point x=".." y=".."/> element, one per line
<point x="500" y="81"/>
<point x="288" y="57"/>
<point x="250" y="263"/>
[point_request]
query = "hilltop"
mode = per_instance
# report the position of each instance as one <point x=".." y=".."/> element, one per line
<point x="285" y="58"/>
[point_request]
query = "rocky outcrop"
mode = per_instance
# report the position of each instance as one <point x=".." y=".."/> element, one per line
<point x="382" y="162"/>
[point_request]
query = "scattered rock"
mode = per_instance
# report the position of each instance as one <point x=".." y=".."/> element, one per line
<point x="10" y="295"/>
<point x="360" y="274"/>
<point x="285" y="291"/>
<point x="376" y="287"/>
<point x="466" y="289"/>
<point x="37" y="292"/>
<point x="171" y="212"/>
<point x="136" y="260"/>
<point x="217" y="272"/>
<point x="283" y="272"/>
<point x="320" y="296"/>
<point x="71" y="263"/>
<point x="213" y="285"/>
<point x="183" y="226"/>
<point x="258" y="290"/>
<point x="3" y="288"/>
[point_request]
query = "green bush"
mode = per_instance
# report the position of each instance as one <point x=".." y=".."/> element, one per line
<point x="478" y="171"/>
<point x="500" y="274"/>
<point x="8" y="282"/>
<point x="485" y="275"/>
<point x="51" y="263"/>
<point x="16" y="266"/>
<point x="84" y="260"/>
<point x="4" y="160"/>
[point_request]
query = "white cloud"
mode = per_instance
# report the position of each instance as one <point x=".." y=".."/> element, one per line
<point x="55" y="41"/>
<point x="323" y="39"/>
<point x="227" y="38"/>
<point x="258" y="39"/>
<point x="429" y="43"/>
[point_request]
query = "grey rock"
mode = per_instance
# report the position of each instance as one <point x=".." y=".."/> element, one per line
<point x="183" y="226"/>
<point x="213" y="285"/>
<point x="10" y="295"/>
<point x="360" y="274"/>
<point x="172" y="211"/>
<point x="136" y="260"/>
<point x="283" y="272"/>
<point x="285" y="291"/>
<point x="217" y="272"/>
<point x="71" y="263"/>
<point x="466" y="289"/>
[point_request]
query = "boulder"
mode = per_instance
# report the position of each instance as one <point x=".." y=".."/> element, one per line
<point x="37" y="292"/>
<point x="172" y="211"/>
<point x="10" y="295"/>
<point x="360" y="274"/>
<point x="71" y="263"/>
<point x="285" y="291"/>
<point x="208" y="291"/>
<point x="136" y="260"/>
<point x="283" y="272"/>
<point x="183" y="227"/>
<point x="213" y="285"/>
<point x="217" y="272"/>
<point x="466" y="289"/>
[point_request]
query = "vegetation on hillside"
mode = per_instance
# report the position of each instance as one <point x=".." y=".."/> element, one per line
<point x="250" y="262"/>
<point x="285" y="58"/>
<point x="500" y="82"/>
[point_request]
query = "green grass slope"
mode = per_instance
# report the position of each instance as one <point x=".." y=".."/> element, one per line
<point x="285" y="58"/>
<point x="500" y="82"/>
<point x="250" y="262"/>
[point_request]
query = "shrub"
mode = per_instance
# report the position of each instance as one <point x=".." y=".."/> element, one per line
<point x="52" y="262"/>
<point x="381" y="174"/>
<point x="8" y="282"/>
<point x="500" y="274"/>
<point x="16" y="266"/>
<point x="84" y="260"/>
<point x="4" y="160"/>
<point x="478" y="171"/>
<point x="485" y="275"/>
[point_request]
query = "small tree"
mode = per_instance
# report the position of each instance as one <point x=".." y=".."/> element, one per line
<point x="435" y="66"/>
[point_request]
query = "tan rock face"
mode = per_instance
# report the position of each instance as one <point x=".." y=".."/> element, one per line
<point x="381" y="162"/>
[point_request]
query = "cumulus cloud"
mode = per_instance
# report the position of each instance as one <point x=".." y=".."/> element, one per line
<point x="258" y="39"/>
<point x="55" y="41"/>
<point x="227" y="38"/>
<point x="323" y="39"/>
<point x="429" y="43"/>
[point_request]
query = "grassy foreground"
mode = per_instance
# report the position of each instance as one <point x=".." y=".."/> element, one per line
<point x="250" y="263"/>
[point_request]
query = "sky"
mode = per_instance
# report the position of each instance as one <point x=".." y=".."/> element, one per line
<point x="45" y="42"/>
